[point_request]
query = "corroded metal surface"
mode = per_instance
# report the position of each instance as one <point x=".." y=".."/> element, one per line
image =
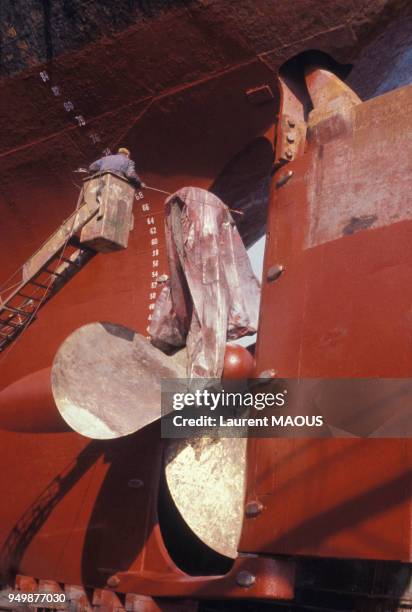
<point x="206" y="478"/>
<point x="106" y="380"/>
<point x="360" y="163"/>
<point x="341" y="227"/>
<point x="213" y="293"/>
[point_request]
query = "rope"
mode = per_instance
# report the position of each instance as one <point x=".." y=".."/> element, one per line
<point x="9" y="288"/>
<point x="10" y="278"/>
<point x="234" y="210"/>
<point x="155" y="189"/>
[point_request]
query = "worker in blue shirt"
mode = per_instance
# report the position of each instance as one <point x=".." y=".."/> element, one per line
<point x="121" y="164"/>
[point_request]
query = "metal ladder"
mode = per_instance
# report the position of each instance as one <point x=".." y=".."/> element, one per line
<point x="101" y="223"/>
<point x="57" y="261"/>
<point x="20" y="308"/>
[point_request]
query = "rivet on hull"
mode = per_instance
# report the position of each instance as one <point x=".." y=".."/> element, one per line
<point x="245" y="579"/>
<point x="253" y="508"/>
<point x="274" y="272"/>
<point x="284" y="179"/>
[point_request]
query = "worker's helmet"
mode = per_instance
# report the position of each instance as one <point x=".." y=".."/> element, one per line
<point x="124" y="151"/>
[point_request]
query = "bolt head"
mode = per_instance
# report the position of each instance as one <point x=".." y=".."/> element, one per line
<point x="284" y="179"/>
<point x="268" y="374"/>
<point x="253" y="508"/>
<point x="113" y="581"/>
<point x="135" y="483"/>
<point x="274" y="272"/>
<point x="291" y="123"/>
<point x="245" y="579"/>
<point x="289" y="154"/>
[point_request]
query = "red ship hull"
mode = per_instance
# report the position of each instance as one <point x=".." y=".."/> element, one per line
<point x="73" y="513"/>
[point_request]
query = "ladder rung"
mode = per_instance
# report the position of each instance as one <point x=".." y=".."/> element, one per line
<point x="28" y="297"/>
<point x="69" y="261"/>
<point x="74" y="263"/>
<point x="54" y="273"/>
<point x="9" y="324"/>
<point x="32" y="282"/>
<point x="16" y="310"/>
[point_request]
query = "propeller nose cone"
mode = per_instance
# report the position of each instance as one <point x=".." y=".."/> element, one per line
<point x="238" y="363"/>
